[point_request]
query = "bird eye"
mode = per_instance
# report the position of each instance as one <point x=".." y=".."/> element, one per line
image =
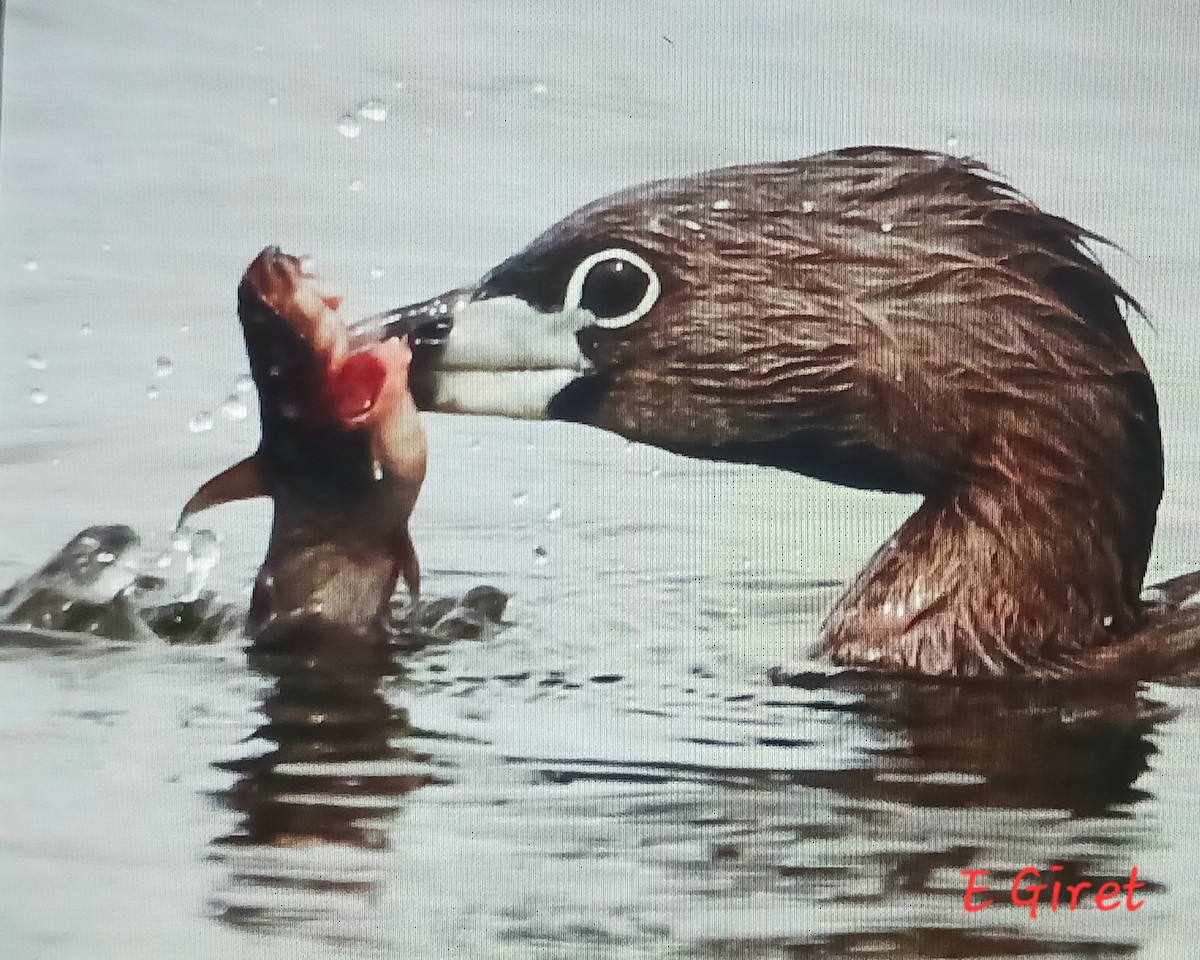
<point x="616" y="287"/>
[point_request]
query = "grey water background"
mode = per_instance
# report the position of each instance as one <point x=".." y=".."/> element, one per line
<point x="612" y="775"/>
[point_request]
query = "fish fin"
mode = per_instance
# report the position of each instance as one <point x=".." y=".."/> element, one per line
<point x="242" y="481"/>
<point x="409" y="566"/>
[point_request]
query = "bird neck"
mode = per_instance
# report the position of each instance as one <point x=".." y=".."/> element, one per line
<point x="1023" y="566"/>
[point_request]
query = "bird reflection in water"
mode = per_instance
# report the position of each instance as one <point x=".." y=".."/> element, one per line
<point x="980" y="777"/>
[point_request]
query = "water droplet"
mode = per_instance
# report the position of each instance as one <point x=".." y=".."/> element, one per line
<point x="307" y="266"/>
<point x="105" y="247"/>
<point x="233" y="408"/>
<point x="348" y="127"/>
<point x="272" y="101"/>
<point x="376" y="273"/>
<point x="374" y="110"/>
<point x="808" y="206"/>
<point x="152" y="393"/>
<point x="692" y="225"/>
<point x="721" y="204"/>
<point x="400" y="84"/>
<point x="259" y="48"/>
<point x="540" y="555"/>
<point x="202" y="422"/>
<point x="163" y="367"/>
<point x="85" y="329"/>
<point x="38" y="396"/>
<point x="886" y="227"/>
<point x="36" y="361"/>
<point x="656" y="473"/>
<point x="952" y="142"/>
<point x="555" y="513"/>
<point x="105" y="557"/>
<point x="185" y="327"/>
<point x="540" y="89"/>
<point x="31" y="265"/>
<point x="475" y="444"/>
<point x="377" y="469"/>
<point x="520" y="498"/>
<point x="355" y="186"/>
<point x="243" y="384"/>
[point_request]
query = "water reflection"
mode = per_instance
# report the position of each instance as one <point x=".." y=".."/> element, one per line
<point x="841" y="830"/>
<point x="334" y="766"/>
<point x="979" y="777"/>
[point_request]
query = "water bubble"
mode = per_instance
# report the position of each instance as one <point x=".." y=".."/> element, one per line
<point x="244" y="383"/>
<point x="307" y="266"/>
<point x="348" y="127"/>
<point x="202" y="422"/>
<point x="355" y="186"/>
<point x="520" y="498"/>
<point x="374" y="110"/>
<point x="377" y="469"/>
<point x="656" y="473"/>
<point x="540" y="89"/>
<point x="692" y="225"/>
<point x="85" y="329"/>
<point x="259" y="48"/>
<point x="272" y="101"/>
<point x="152" y="393"/>
<point x="36" y="361"/>
<point x="38" y="396"/>
<point x="722" y="204"/>
<point x="475" y="444"/>
<point x="952" y="142"/>
<point x="808" y="206"/>
<point x="233" y="408"/>
<point x="105" y="247"/>
<point x="163" y="367"/>
<point x="555" y="513"/>
<point x="105" y="557"/>
<point x="31" y="265"/>
<point x="886" y="227"/>
<point x="540" y="555"/>
<point x="204" y="547"/>
<point x="376" y="273"/>
<point x="185" y="327"/>
<point x="400" y="84"/>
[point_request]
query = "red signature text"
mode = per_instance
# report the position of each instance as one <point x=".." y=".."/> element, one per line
<point x="1033" y="888"/>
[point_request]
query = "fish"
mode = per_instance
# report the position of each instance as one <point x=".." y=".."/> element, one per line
<point x="342" y="456"/>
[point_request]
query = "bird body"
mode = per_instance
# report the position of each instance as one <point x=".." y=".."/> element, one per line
<point x="880" y="318"/>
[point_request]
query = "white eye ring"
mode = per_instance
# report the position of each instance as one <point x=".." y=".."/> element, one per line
<point x="574" y="292"/>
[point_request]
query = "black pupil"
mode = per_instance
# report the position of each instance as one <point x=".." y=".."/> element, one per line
<point x="612" y="288"/>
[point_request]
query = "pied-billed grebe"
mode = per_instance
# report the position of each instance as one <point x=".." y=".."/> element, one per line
<point x="342" y="456"/>
<point x="882" y="318"/>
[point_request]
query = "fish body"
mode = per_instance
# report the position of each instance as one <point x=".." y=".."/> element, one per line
<point x="342" y="456"/>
